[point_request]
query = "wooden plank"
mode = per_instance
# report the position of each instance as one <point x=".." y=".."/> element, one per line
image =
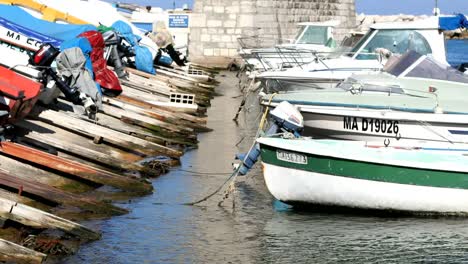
<point x="146" y="105"/>
<point x="14" y="253"/>
<point x="150" y="76"/>
<point x="36" y="218"/>
<point x="141" y="126"/>
<point x="75" y="169"/>
<point x="90" y="154"/>
<point x="120" y="113"/>
<point x="33" y="189"/>
<point x="56" y="133"/>
<point x="22" y="170"/>
<point x="158" y="114"/>
<point x="92" y="130"/>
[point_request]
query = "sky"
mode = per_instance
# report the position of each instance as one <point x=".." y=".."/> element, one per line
<point x="371" y="7"/>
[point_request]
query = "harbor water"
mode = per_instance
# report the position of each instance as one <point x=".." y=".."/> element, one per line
<point x="251" y="226"/>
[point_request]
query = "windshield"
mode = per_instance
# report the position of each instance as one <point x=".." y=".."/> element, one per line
<point x="413" y="64"/>
<point x="314" y="35"/>
<point x="361" y="42"/>
<point x="397" y="41"/>
<point x="299" y="33"/>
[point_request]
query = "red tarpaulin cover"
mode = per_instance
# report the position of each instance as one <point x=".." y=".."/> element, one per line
<point x="104" y="76"/>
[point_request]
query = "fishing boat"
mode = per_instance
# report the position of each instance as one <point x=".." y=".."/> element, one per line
<point x="416" y="99"/>
<point x="358" y="175"/>
<point x="368" y="55"/>
<point x="311" y="37"/>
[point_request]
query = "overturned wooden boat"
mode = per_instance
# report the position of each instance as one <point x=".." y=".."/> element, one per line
<point x="357" y="175"/>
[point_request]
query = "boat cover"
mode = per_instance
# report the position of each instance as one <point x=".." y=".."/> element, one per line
<point x="85" y="47"/>
<point x="105" y="77"/>
<point x="143" y="56"/>
<point x="453" y="22"/>
<point x="58" y="31"/>
<point x="30" y="33"/>
<point x="70" y="64"/>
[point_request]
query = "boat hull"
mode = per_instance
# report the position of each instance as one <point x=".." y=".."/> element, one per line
<point x="298" y="186"/>
<point x="389" y="127"/>
<point x="356" y="175"/>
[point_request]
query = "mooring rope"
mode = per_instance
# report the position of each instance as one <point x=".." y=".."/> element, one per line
<point x="234" y="175"/>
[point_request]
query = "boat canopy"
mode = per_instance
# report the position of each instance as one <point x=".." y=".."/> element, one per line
<point x="26" y="20"/>
<point x="413" y="64"/>
<point x="453" y="22"/>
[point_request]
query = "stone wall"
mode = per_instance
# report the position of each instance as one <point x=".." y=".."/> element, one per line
<point x="216" y="24"/>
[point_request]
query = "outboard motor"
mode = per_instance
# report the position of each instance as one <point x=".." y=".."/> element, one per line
<point x="43" y="59"/>
<point x="284" y="118"/>
<point x="112" y="40"/>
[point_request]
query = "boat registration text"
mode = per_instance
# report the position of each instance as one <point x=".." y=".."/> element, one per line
<point x="291" y="157"/>
<point x="371" y="125"/>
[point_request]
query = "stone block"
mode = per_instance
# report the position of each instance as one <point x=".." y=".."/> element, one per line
<point x="232" y="10"/>
<point x="232" y="52"/>
<point x="205" y="38"/>
<point x="208" y="52"/>
<point x="207" y="9"/>
<point x="197" y="20"/>
<point x="224" y="52"/>
<point x="216" y="38"/>
<point x="226" y="38"/>
<point x="218" y="9"/>
<point x="229" y="23"/>
<point x="214" y="23"/>
<point x="246" y="21"/>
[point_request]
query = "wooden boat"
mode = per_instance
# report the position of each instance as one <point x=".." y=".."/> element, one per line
<point x="354" y="174"/>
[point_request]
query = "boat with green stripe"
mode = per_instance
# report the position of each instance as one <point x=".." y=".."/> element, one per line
<point x="358" y="175"/>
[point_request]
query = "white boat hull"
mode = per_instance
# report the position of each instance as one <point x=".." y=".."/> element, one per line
<point x="389" y="126"/>
<point x="298" y="186"/>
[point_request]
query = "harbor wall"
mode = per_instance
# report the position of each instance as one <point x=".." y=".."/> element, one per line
<point x="217" y="24"/>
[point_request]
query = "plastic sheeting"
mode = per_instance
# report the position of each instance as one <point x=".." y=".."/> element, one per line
<point x="143" y="56"/>
<point x="70" y="64"/>
<point x="453" y="22"/>
<point x="165" y="60"/>
<point x="58" y="31"/>
<point x="105" y="77"/>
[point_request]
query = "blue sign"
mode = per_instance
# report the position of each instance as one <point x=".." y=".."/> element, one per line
<point x="178" y="21"/>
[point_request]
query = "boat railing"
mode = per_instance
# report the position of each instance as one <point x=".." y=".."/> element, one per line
<point x="255" y="42"/>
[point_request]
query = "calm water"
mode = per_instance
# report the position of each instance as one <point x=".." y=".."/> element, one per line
<point x="260" y="230"/>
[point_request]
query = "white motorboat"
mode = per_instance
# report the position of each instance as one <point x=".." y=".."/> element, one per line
<point x="368" y="55"/>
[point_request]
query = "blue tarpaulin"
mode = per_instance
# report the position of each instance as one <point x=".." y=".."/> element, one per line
<point x="453" y="22"/>
<point x="143" y="56"/>
<point x="29" y="33"/>
<point x="58" y="31"/>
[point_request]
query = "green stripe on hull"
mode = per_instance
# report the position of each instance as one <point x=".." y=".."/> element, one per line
<point x="369" y="171"/>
